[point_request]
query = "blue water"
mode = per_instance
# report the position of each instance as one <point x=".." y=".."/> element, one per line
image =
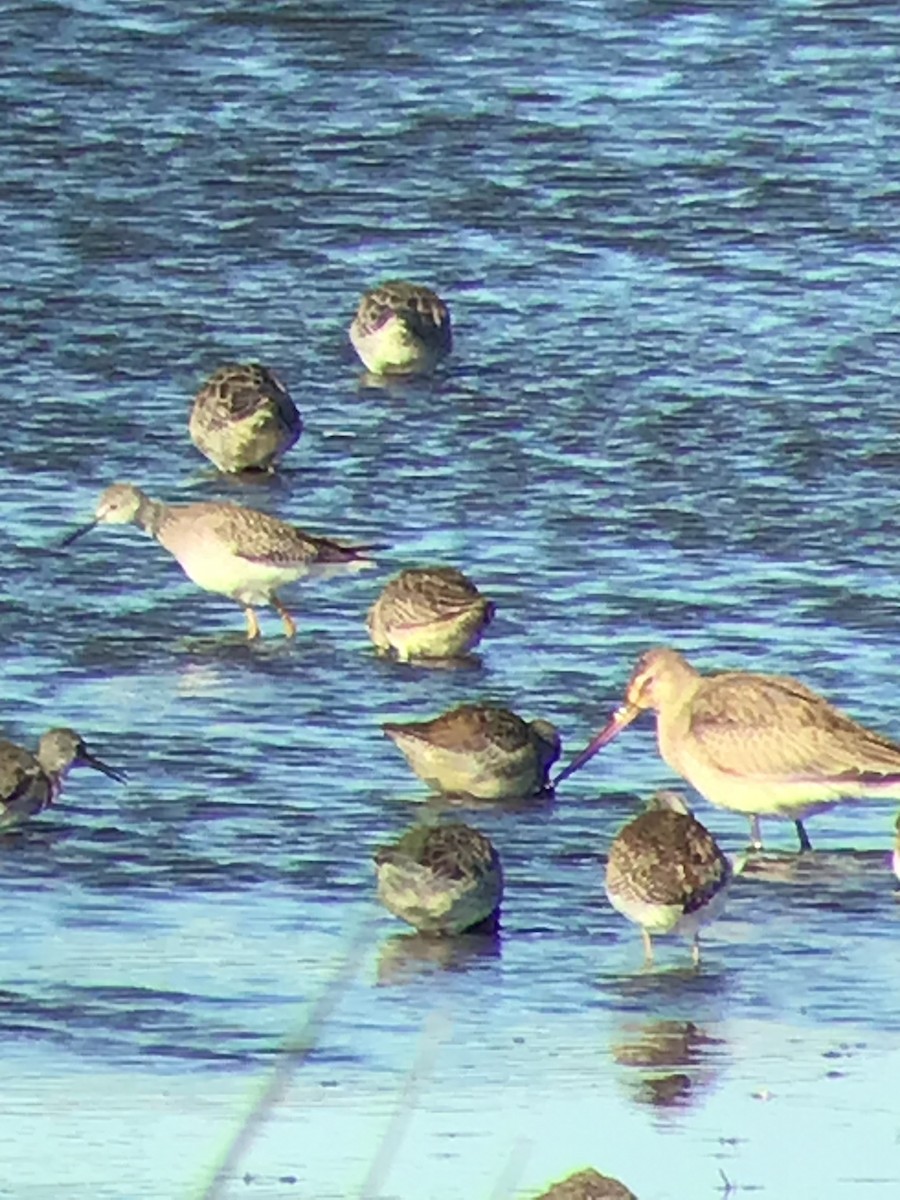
<point x="668" y="234"/>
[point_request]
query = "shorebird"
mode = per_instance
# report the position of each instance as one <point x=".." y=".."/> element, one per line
<point x="666" y="873"/>
<point x="441" y="878"/>
<point x="429" y="612"/>
<point x="225" y="548"/>
<point x="588" y="1185"/>
<point x="762" y="745"/>
<point x="29" y="783"/>
<point x="243" y="418"/>
<point x="479" y="750"/>
<point x="401" y="329"/>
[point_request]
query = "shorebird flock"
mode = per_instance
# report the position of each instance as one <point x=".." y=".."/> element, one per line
<point x="765" y="746"/>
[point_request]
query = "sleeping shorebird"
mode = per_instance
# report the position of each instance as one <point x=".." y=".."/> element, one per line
<point x="243" y="418"/>
<point x="587" y="1185"/>
<point x="29" y="783"/>
<point x="429" y="612"/>
<point x="401" y="329"/>
<point x="479" y="750"/>
<point x="225" y="548"/>
<point x="666" y="873"/>
<point x="441" y="878"/>
<point x="763" y="745"/>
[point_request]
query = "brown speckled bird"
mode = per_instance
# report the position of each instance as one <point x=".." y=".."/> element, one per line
<point x="587" y="1185"/>
<point x="29" y="783"/>
<point x="229" y="549"/>
<point x="763" y="745"/>
<point x="666" y="873"/>
<point x="429" y="612"/>
<point x="243" y="418"/>
<point x="479" y="750"/>
<point x="441" y="879"/>
<point x="401" y="328"/>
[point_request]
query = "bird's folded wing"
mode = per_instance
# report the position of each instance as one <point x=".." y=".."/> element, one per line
<point x="259" y="538"/>
<point x="776" y="728"/>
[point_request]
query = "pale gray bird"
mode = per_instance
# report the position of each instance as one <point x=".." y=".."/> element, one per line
<point x="763" y="745"/>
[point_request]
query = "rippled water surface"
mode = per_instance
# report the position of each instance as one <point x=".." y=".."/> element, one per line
<point x="668" y="234"/>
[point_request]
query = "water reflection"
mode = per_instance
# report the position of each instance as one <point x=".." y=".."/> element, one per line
<point x="669" y="1063"/>
<point x="406" y="956"/>
<point x="654" y="987"/>
<point x="828" y="871"/>
<point x="234" y="648"/>
<point x="460" y="662"/>
<point x="544" y="801"/>
<point x="240" y="481"/>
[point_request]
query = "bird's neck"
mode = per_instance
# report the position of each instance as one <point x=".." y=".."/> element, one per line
<point x="54" y="773"/>
<point x="151" y="516"/>
<point x="673" y="719"/>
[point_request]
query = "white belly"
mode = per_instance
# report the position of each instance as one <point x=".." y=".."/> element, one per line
<point x="215" y="570"/>
<point x="757" y="795"/>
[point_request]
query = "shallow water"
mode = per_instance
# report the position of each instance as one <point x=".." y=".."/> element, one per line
<point x="668" y="236"/>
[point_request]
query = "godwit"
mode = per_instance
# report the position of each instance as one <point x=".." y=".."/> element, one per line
<point x="763" y="745"/>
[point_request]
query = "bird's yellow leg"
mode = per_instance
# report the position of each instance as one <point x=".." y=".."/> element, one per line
<point x="290" y="627"/>
<point x="648" y="947"/>
<point x="253" y="630"/>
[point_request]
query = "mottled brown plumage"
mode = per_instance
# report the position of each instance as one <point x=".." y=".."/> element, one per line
<point x="226" y="548"/>
<point x="441" y="878"/>
<point x="763" y="745"/>
<point x="587" y="1185"/>
<point x="479" y="750"/>
<point x="429" y="612"/>
<point x="29" y="783"/>
<point x="243" y="418"/>
<point x="401" y="328"/>
<point x="666" y="873"/>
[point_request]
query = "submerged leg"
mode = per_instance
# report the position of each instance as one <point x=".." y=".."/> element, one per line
<point x="252" y="624"/>
<point x="805" y="843"/>
<point x="290" y="627"/>
<point x="648" y="947"/>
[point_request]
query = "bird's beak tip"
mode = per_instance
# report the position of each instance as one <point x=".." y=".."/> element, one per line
<point x="75" y="534"/>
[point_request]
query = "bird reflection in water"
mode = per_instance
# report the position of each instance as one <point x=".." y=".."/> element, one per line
<point x="830" y="873"/>
<point x="852" y="883"/>
<point x="404" y="956"/>
<point x="673" y="1063"/>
